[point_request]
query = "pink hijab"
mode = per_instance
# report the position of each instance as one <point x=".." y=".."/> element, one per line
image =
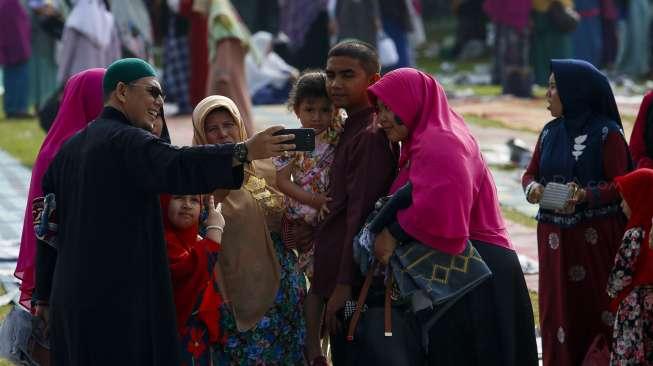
<point x="82" y="102"/>
<point x="454" y="197"/>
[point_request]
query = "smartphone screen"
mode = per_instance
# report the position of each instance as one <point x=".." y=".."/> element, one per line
<point x="304" y="138"/>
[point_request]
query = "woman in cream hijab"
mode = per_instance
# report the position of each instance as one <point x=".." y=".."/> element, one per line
<point x="263" y="290"/>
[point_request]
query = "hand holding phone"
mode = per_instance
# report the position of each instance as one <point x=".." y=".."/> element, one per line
<point x="268" y="143"/>
<point x="304" y="138"/>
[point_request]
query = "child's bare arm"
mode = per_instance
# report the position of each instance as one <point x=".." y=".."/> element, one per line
<point x="294" y="191"/>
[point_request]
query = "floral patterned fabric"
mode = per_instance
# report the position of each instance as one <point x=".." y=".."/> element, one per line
<point x="278" y="339"/>
<point x="624" y="263"/>
<point x="574" y="268"/>
<point x="195" y="344"/>
<point x="633" y="328"/>
<point x="310" y="170"/>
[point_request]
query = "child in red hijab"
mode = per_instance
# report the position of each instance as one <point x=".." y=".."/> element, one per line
<point x="630" y="283"/>
<point x="192" y="260"/>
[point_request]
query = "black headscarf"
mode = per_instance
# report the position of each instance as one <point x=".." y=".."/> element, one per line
<point x="584" y="92"/>
<point x="572" y="145"/>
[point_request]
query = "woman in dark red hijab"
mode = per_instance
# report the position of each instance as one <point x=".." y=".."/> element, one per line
<point x="641" y="140"/>
<point x="192" y="259"/>
<point x="630" y="283"/>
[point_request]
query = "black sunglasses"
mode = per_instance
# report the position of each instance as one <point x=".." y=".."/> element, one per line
<point x="153" y="90"/>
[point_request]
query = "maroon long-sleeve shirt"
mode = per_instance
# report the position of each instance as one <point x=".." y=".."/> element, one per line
<point x="364" y="167"/>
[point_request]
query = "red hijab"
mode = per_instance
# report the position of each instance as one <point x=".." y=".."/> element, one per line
<point x="185" y="238"/>
<point x="190" y="273"/>
<point x="637" y="189"/>
<point x="637" y="142"/>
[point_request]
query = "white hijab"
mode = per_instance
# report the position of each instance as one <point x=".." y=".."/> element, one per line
<point x="92" y="19"/>
<point x="269" y="68"/>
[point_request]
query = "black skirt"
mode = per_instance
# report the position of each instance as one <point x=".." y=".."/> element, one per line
<point x="492" y="324"/>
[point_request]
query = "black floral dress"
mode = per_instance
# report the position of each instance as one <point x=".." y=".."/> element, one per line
<point x="195" y="342"/>
<point x="632" y="342"/>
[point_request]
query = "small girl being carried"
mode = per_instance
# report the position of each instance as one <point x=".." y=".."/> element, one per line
<point x="304" y="176"/>
<point x="630" y="283"/>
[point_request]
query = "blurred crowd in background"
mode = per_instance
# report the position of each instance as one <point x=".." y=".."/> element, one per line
<point x="251" y="50"/>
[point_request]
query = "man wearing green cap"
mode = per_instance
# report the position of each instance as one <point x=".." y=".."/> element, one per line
<point x="101" y="255"/>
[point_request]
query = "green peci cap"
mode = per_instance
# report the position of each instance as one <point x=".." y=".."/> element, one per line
<point x="125" y="70"/>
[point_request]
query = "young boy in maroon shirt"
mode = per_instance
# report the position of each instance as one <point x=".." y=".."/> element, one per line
<point x="364" y="167"/>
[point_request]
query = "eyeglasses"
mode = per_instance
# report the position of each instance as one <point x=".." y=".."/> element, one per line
<point x="153" y="90"/>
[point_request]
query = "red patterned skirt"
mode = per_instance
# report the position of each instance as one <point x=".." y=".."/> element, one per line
<point x="574" y="267"/>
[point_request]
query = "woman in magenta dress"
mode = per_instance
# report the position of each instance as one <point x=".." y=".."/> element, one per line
<point x="81" y="103"/>
<point x="583" y="145"/>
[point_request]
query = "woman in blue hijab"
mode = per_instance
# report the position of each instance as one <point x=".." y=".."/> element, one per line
<point x="583" y="147"/>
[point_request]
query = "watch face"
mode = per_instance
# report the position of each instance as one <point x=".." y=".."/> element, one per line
<point x="240" y="151"/>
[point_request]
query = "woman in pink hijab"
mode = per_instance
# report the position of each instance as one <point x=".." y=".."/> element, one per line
<point x="454" y="200"/>
<point x="81" y="103"/>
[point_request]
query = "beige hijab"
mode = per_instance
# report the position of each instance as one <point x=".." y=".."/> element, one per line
<point x="248" y="262"/>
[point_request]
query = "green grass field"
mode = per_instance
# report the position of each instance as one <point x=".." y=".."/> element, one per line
<point x="518" y="217"/>
<point x="536" y="307"/>
<point x="21" y="138"/>
<point x="4" y="310"/>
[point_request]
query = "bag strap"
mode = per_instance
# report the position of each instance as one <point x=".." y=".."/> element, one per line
<point x="362" y="296"/>
<point x="387" y="307"/>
